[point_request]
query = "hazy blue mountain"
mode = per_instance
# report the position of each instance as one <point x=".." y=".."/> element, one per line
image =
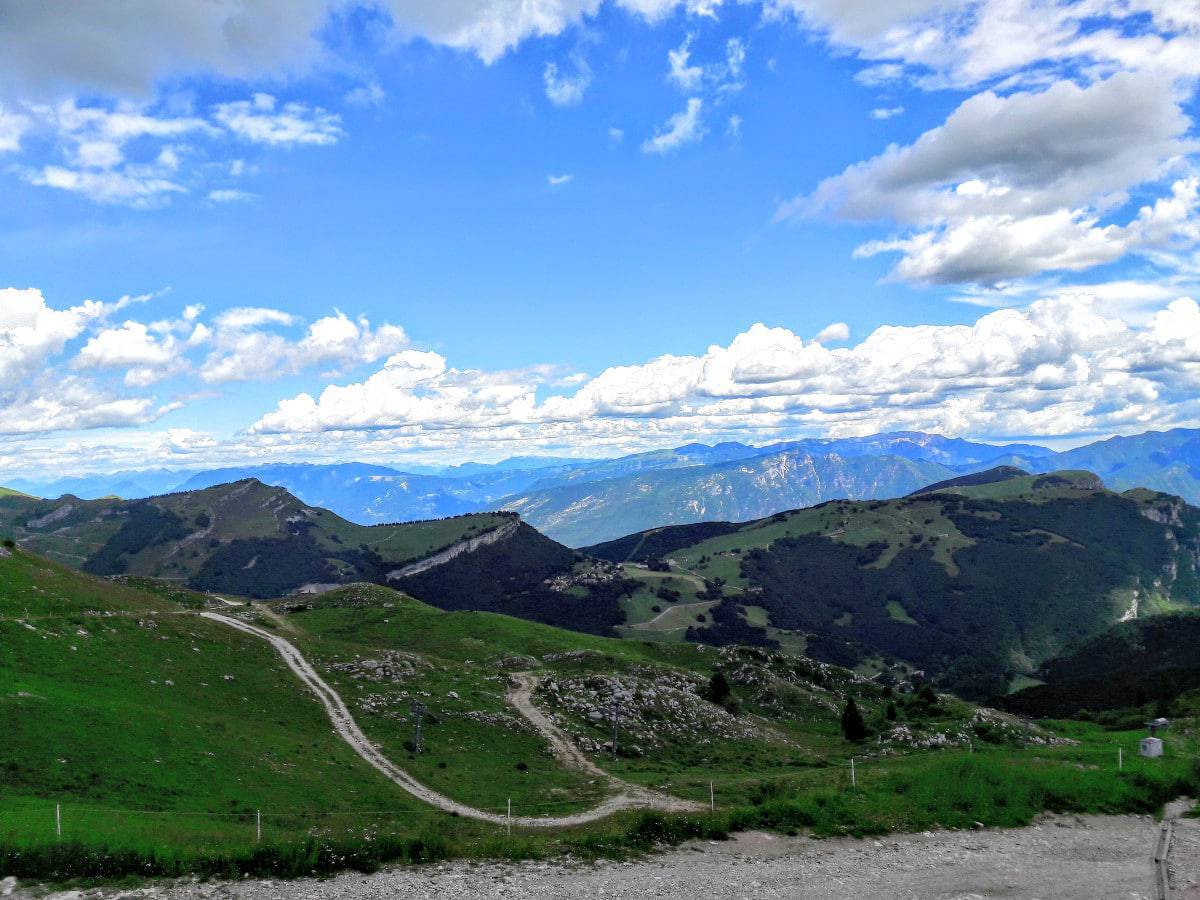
<point x="1163" y="460"/>
<point x="932" y="447"/>
<point x="586" y="501"/>
<point x="370" y="494"/>
<point x="512" y="464"/>
<point x="583" y="512"/>
<point x="129" y="485"/>
<point x="588" y="504"/>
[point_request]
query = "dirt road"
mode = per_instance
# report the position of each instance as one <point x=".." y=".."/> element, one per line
<point x="565" y="751"/>
<point x="631" y="797"/>
<point x="1088" y="858"/>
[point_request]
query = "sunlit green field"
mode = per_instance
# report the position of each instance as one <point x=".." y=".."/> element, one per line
<point x="140" y="739"/>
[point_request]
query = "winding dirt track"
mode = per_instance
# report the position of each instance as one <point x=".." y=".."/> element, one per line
<point x="567" y="753"/>
<point x="630" y="797"/>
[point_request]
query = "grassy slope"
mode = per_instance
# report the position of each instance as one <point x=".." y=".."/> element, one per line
<point x="91" y="722"/>
<point x="457" y="652"/>
<point x="113" y="698"/>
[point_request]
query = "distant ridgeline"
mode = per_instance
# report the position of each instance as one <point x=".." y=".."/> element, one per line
<point x="250" y="540"/>
<point x="581" y="502"/>
<point x="975" y="580"/>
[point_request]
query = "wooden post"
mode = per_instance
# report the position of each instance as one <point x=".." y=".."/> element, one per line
<point x="58" y="820"/>
<point x="258" y="825"/>
<point x="510" y="816"/>
<point x="1120" y="758"/>
<point x="853" y="775"/>
<point x="712" y="798"/>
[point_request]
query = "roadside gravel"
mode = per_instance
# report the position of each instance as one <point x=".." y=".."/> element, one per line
<point x="1061" y="858"/>
<point x="1184" y="866"/>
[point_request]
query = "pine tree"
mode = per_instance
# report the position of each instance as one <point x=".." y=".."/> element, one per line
<point x="718" y="689"/>
<point x="853" y="726"/>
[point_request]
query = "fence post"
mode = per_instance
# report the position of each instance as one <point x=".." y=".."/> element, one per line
<point x="258" y="826"/>
<point x="509" y="822"/>
<point x="58" y="820"/>
<point x="853" y="774"/>
<point x="1120" y="758"/>
<point x="712" y="798"/>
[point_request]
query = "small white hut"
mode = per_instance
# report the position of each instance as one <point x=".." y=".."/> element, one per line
<point x="1151" y="747"/>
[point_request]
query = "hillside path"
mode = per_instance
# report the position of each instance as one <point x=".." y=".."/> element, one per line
<point x="520" y="696"/>
<point x="343" y="722"/>
<point x="679" y="611"/>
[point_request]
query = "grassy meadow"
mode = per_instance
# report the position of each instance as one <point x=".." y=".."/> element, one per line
<point x="162" y="742"/>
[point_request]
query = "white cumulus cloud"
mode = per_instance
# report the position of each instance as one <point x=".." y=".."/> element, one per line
<point x="1059" y="367"/>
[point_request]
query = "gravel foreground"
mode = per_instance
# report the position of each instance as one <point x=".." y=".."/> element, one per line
<point x="1063" y="858"/>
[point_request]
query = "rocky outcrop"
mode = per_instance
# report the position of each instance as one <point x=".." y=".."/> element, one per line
<point x="455" y="550"/>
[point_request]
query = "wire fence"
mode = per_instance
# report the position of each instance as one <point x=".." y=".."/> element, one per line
<point x="25" y="820"/>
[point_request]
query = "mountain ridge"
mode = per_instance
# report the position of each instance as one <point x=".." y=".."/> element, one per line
<point x="977" y="584"/>
<point x="689" y="483"/>
<point x="249" y="539"/>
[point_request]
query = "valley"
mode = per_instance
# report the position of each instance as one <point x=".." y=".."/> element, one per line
<point x="975" y="580"/>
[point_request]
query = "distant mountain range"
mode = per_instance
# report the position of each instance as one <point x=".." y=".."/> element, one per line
<point x="597" y="503"/>
<point x="582" y="502"/>
<point x="585" y="512"/>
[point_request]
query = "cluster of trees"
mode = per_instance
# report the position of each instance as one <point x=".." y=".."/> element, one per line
<point x="1140" y="665"/>
<point x="1034" y="580"/>
<point x="265" y="567"/>
<point x="145" y="526"/>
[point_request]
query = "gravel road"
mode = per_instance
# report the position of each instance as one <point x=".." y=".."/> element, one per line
<point x="1062" y="858"/>
<point x="1184" y="865"/>
<point x="630" y="796"/>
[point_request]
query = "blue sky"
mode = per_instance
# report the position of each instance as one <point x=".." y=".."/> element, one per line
<point x="468" y="230"/>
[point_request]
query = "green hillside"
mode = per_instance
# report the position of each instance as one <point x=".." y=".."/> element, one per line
<point x="975" y="583"/>
<point x="115" y="699"/>
<point x="246" y="539"/>
<point x="243" y="538"/>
